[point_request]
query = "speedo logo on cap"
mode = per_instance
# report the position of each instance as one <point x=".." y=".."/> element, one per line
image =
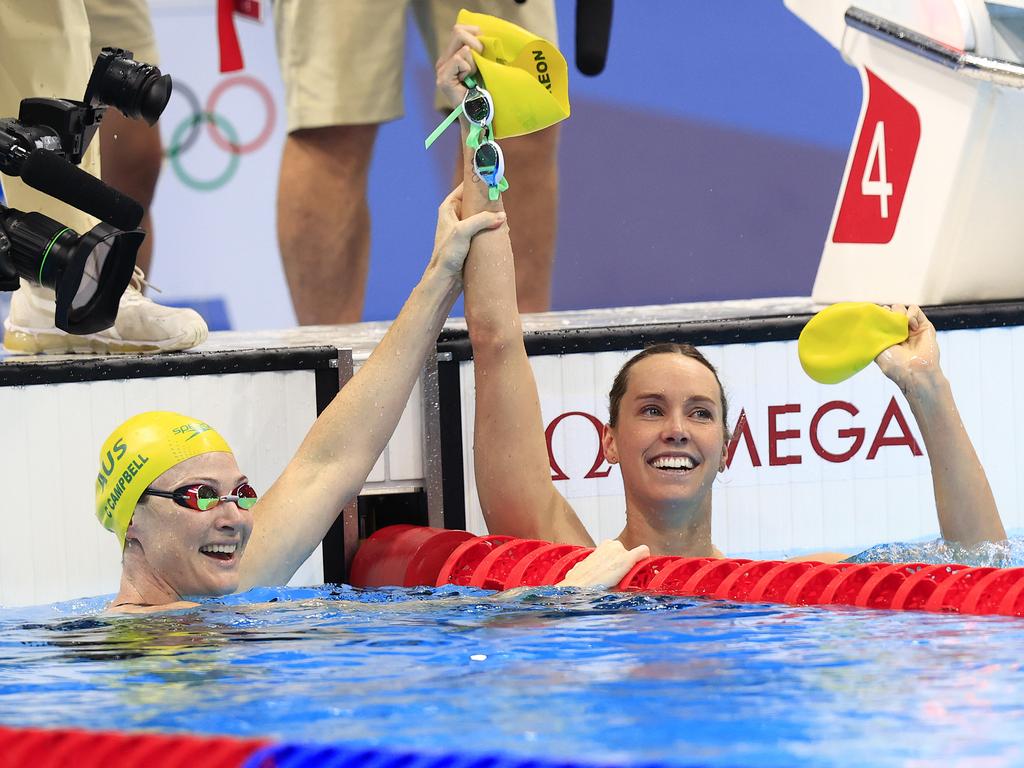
<point x="195" y="429"/>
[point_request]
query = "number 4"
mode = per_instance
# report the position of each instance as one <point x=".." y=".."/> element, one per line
<point x="881" y="186"/>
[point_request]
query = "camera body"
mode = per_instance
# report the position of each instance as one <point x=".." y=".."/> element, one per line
<point x="56" y="125"/>
<point x="66" y="127"/>
<point x="88" y="272"/>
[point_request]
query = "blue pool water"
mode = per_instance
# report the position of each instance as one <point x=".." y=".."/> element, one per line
<point x="550" y="673"/>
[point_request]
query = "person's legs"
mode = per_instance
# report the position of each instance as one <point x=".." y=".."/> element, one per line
<point x="132" y="156"/>
<point x="531" y="161"/>
<point x="342" y="69"/>
<point x="132" y="151"/>
<point x="323" y="221"/>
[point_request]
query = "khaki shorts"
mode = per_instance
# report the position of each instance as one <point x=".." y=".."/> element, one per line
<point x="122" y="24"/>
<point x="341" y="62"/>
<point x="30" y="33"/>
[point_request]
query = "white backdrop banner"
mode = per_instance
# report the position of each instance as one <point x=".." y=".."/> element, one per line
<point x="215" y="238"/>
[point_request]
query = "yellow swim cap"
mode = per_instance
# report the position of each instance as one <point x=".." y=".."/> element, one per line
<point x="138" y="452"/>
<point x="526" y="75"/>
<point x="844" y="338"/>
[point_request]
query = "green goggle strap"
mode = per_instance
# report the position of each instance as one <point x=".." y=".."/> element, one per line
<point x="474" y="130"/>
<point x="473" y="139"/>
<point x="443" y="127"/>
<point x="493" y="192"/>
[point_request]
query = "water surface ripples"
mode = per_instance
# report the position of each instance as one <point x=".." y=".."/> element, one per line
<point x="555" y="673"/>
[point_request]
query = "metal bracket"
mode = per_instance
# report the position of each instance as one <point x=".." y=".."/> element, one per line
<point x="995" y="71"/>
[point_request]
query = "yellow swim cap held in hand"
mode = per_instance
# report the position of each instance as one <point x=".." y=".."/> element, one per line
<point x="138" y="452"/>
<point x="526" y="75"/>
<point x="844" y="338"/>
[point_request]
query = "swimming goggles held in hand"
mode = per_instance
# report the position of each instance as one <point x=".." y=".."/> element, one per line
<point x="201" y="497"/>
<point x="478" y="107"/>
<point x="489" y="165"/>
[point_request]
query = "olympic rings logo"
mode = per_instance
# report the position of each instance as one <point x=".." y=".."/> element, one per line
<point x="220" y="130"/>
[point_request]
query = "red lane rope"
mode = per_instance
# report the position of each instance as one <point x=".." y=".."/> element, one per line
<point x="502" y="562"/>
<point x="42" y="748"/>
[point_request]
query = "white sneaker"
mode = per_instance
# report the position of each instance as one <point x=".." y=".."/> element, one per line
<point x="141" y="325"/>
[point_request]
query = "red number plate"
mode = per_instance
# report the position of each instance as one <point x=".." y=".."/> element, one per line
<point x="878" y="177"/>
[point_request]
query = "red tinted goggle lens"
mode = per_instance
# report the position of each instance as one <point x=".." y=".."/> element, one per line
<point x="202" y="497"/>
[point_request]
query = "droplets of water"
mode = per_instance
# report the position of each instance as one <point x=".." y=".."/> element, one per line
<point x="999" y="554"/>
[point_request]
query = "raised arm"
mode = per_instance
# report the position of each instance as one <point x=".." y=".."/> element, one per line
<point x="513" y="475"/>
<point x="967" y="510"/>
<point x="334" y="459"/>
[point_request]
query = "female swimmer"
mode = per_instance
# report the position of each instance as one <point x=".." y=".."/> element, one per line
<point x="667" y="428"/>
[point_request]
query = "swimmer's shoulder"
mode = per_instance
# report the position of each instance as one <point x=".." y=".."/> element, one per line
<point x="816" y="557"/>
<point x="136" y="608"/>
<point x="820" y="557"/>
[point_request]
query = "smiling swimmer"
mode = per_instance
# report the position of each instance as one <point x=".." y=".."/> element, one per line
<point x="170" y="489"/>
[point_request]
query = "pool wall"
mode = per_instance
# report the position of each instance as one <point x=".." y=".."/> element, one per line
<point x="813" y="467"/>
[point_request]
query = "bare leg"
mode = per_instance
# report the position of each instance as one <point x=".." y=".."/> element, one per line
<point x="532" y="206"/>
<point x="132" y="156"/>
<point x="323" y="221"/>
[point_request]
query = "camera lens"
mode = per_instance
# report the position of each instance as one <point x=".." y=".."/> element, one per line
<point x="137" y="89"/>
<point x="88" y="273"/>
<point x="156" y="94"/>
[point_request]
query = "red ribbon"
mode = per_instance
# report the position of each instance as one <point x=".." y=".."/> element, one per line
<point x="227" y="37"/>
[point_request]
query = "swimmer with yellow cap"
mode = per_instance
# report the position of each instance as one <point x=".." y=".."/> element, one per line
<point x="188" y="519"/>
<point x="170" y="489"/>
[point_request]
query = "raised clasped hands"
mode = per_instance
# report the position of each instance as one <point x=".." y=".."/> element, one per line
<point x="453" y="235"/>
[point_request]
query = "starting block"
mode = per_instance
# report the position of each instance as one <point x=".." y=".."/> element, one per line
<point x="930" y="208"/>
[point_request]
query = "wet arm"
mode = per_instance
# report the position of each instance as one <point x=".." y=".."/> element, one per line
<point x="510" y="454"/>
<point x="963" y="498"/>
<point x="332" y="463"/>
<point x="334" y="459"/>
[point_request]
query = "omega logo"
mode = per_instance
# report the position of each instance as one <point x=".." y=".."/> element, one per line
<point x="892" y="420"/>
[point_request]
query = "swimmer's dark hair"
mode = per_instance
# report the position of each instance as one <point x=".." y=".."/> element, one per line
<point x="686" y="350"/>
